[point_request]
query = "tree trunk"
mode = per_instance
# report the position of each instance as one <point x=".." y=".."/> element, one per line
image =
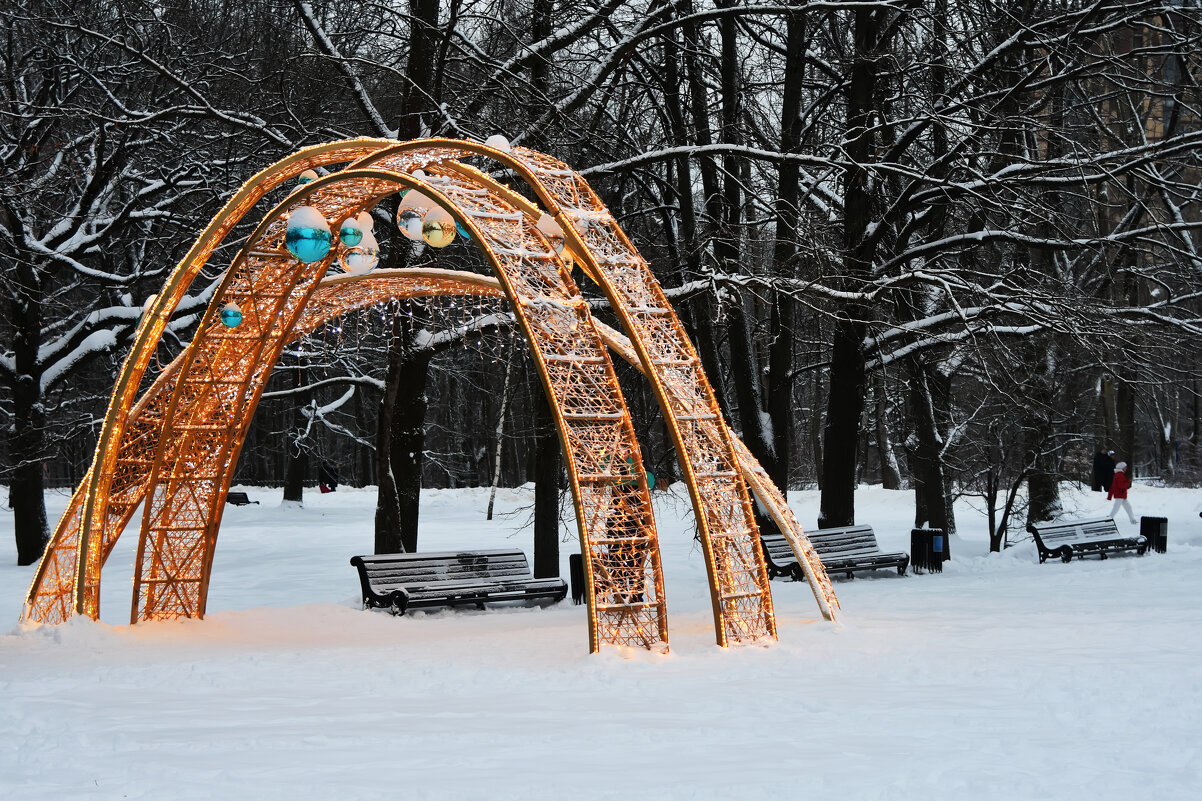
<point x="298" y="456"/>
<point x="841" y="434"/>
<point x="932" y="501"/>
<point x="726" y="211"/>
<point x="784" y="257"/>
<point x="388" y="512"/>
<point x="1043" y="502"/>
<point x="547" y="466"/>
<point x="890" y="473"/>
<point x="845" y="401"/>
<point x="704" y="314"/>
<point x="409" y="443"/>
<point x="416" y="102"/>
<point x="400" y="441"/>
<point x="500" y="436"/>
<point x="27" y="435"/>
<point x="816" y="426"/>
<point x="399" y="481"/>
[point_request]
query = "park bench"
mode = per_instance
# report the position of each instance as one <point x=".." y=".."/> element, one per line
<point x="239" y="499"/>
<point x="402" y="581"/>
<point x="848" y="550"/>
<point x="1082" y="537"/>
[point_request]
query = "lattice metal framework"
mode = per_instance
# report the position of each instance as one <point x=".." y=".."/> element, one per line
<point x="177" y="446"/>
<point x="67" y="579"/>
<point x="739" y="589"/>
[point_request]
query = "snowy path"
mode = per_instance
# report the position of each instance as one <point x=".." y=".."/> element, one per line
<point x="998" y="679"/>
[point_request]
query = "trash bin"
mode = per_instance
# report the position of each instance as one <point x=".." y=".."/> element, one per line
<point x="1156" y="531"/>
<point x="576" y="577"/>
<point x="928" y="549"/>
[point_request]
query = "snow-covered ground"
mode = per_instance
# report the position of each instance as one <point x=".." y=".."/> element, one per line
<point x="998" y="679"/>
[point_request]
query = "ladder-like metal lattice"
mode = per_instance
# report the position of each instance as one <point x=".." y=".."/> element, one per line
<point x="178" y="445"/>
<point x="67" y="580"/>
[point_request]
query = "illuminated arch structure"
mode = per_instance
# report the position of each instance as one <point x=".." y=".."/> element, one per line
<point x="172" y="439"/>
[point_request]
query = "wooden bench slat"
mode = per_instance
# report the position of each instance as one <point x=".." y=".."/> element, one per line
<point x="1078" y="538"/>
<point x="849" y="550"/>
<point x="441" y="578"/>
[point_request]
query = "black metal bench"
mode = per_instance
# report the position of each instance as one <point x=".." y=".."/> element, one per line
<point x="402" y="581"/>
<point x="1083" y="537"/>
<point x="239" y="499"/>
<point x="847" y="550"/>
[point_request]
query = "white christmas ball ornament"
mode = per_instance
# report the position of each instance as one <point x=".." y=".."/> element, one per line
<point x="551" y="230"/>
<point x="414" y="206"/>
<point x="363" y="257"/>
<point x="498" y="142"/>
<point x="416" y="200"/>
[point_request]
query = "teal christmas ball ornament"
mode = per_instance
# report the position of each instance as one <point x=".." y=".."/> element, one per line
<point x="463" y="232"/>
<point x="231" y="315"/>
<point x="308" y="237"/>
<point x="350" y="234"/>
<point x="306" y="176"/>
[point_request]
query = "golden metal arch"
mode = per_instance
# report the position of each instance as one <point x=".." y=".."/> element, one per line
<point x="192" y="470"/>
<point x="194" y="414"/>
<point x="76" y="551"/>
<point x="739" y="592"/>
<point x="223" y="373"/>
<point x="49" y="598"/>
<point x="382" y="286"/>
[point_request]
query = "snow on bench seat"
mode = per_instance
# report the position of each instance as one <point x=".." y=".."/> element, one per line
<point x="1070" y="538"/>
<point x="402" y="581"/>
<point x="849" y="550"/>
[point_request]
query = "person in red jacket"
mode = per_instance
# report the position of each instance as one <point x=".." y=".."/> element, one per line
<point x="1118" y="491"/>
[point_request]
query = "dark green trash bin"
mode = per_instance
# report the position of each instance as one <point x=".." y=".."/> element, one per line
<point x="1156" y="531"/>
<point x="928" y="550"/>
<point x="576" y="577"/>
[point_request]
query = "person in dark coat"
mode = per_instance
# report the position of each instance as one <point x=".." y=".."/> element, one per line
<point x="327" y="477"/>
<point x="1103" y="470"/>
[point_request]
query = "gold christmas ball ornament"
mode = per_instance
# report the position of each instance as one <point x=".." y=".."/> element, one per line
<point x="438" y="228"/>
